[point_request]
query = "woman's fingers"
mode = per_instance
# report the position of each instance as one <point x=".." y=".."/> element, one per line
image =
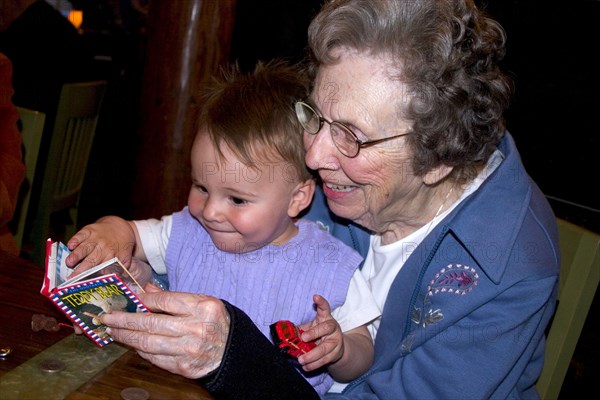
<point x="185" y="333"/>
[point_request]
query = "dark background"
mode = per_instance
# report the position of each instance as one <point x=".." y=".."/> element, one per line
<point x="552" y="54"/>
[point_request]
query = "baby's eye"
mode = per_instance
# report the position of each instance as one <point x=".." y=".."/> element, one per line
<point x="200" y="188"/>
<point x="238" y="201"/>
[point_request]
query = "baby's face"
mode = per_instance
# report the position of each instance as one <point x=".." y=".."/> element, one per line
<point x="242" y="207"/>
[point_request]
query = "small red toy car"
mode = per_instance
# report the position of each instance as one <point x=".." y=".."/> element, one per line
<point x="286" y="337"/>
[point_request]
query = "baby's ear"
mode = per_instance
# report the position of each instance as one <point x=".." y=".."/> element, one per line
<point x="301" y="197"/>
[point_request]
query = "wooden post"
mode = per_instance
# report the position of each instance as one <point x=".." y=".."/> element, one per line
<point x="188" y="40"/>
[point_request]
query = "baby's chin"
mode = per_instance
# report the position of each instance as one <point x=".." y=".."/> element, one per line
<point x="236" y="247"/>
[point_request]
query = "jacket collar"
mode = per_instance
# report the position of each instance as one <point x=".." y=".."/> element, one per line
<point x="496" y="212"/>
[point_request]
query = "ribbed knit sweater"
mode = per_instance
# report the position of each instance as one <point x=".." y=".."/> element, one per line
<point x="271" y="283"/>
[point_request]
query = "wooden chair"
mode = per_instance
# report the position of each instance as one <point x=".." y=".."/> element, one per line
<point x="32" y="127"/>
<point x="579" y="276"/>
<point x="70" y="147"/>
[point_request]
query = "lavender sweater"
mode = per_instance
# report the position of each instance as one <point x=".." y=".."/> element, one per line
<point x="271" y="283"/>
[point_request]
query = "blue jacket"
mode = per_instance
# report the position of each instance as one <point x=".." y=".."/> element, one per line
<point x="465" y="316"/>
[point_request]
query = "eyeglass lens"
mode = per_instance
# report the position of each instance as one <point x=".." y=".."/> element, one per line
<point x="343" y="139"/>
<point x="308" y="117"/>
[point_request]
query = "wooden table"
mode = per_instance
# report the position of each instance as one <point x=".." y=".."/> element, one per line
<point x="20" y="299"/>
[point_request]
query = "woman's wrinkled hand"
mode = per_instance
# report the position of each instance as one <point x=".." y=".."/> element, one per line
<point x="184" y="333"/>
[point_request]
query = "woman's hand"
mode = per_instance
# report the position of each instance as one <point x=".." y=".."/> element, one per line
<point x="185" y="334"/>
<point x="326" y="332"/>
<point x="98" y="242"/>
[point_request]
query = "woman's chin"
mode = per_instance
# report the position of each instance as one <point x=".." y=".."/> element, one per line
<point x="341" y="210"/>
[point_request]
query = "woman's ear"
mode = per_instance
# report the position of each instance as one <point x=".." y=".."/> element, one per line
<point x="301" y="197"/>
<point x="437" y="174"/>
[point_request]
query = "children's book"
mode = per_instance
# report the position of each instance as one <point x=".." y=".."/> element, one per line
<point x="86" y="296"/>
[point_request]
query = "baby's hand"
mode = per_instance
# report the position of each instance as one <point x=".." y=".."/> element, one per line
<point x="98" y="242"/>
<point x="326" y="332"/>
<point x="141" y="272"/>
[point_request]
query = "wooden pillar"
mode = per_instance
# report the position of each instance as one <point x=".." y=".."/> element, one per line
<point x="187" y="42"/>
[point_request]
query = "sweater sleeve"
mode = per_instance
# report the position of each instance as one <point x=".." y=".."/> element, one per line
<point x="256" y="367"/>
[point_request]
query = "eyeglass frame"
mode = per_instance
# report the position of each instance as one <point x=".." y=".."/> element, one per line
<point x="360" y="144"/>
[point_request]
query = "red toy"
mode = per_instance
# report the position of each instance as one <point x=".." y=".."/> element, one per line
<point x="286" y="337"/>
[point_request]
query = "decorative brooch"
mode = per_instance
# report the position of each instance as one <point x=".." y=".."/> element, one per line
<point x="454" y="278"/>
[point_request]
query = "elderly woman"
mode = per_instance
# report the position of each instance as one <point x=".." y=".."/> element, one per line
<point x="405" y="128"/>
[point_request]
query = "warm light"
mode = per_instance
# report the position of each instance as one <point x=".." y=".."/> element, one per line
<point x="76" y="18"/>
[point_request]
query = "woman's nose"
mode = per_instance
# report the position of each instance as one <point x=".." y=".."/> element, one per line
<point x="321" y="152"/>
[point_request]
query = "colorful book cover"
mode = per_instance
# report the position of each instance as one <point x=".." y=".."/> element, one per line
<point x="85" y="297"/>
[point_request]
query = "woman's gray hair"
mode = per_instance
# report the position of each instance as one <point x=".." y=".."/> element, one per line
<point x="447" y="54"/>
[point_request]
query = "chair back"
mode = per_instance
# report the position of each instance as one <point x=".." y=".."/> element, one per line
<point x="579" y="277"/>
<point x="70" y="147"/>
<point x="32" y="127"/>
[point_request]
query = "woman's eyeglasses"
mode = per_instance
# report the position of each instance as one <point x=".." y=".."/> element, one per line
<point x="344" y="139"/>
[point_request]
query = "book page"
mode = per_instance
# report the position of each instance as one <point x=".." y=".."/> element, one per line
<point x="62" y="271"/>
<point x="112" y="266"/>
<point x="57" y="272"/>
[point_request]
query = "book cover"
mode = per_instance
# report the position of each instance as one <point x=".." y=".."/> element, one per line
<point x="83" y="298"/>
